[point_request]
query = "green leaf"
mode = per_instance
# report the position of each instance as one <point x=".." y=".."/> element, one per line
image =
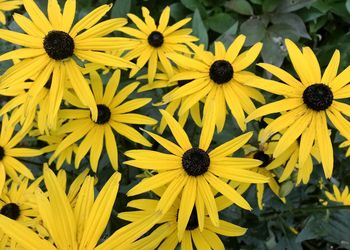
<point x="220" y="22"/>
<point x="270" y="5"/>
<point x="272" y="52"/>
<point x="286" y="188"/>
<point x="178" y="11"/>
<point x="293" y="5"/>
<point x="121" y="8"/>
<point x="227" y="37"/>
<point x="254" y="30"/>
<point x="199" y="29"/>
<point x="240" y="6"/>
<point x="284" y="30"/>
<point x="193" y="5"/>
<point x="260" y="2"/>
<point x="293" y="21"/>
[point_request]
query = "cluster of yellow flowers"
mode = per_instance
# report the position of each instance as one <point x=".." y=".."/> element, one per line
<point x="56" y="94"/>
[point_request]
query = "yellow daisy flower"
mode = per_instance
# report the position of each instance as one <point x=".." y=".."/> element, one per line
<point x="337" y="196"/>
<point x="220" y="77"/>
<point x="194" y="171"/>
<point x="113" y="114"/>
<point x="49" y="45"/>
<point x="7" y="6"/>
<point x="76" y="228"/>
<point x="9" y="164"/>
<point x="166" y="235"/>
<point x="152" y="41"/>
<point x="17" y="202"/>
<point x="307" y="102"/>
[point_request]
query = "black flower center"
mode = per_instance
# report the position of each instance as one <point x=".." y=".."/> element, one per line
<point x="58" y="45"/>
<point x="193" y="221"/>
<point x="195" y="161"/>
<point x="2" y="153"/>
<point x="10" y="210"/>
<point x="260" y="155"/>
<point x="221" y="71"/>
<point x="318" y="96"/>
<point x="155" y="39"/>
<point x="104" y="114"/>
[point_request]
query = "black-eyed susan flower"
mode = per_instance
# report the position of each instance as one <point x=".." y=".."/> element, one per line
<point x="9" y="153"/>
<point x="219" y="76"/>
<point x="307" y="103"/>
<point x="152" y="42"/>
<point x="337" y="196"/>
<point x="75" y="228"/>
<point x="166" y="235"/>
<point x="49" y="46"/>
<point x="7" y="6"/>
<point x="17" y="202"/>
<point x="194" y="171"/>
<point x="113" y="115"/>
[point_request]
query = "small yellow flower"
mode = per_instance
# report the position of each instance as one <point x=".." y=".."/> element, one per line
<point x="337" y="196"/>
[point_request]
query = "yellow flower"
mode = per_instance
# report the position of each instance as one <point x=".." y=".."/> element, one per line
<point x="78" y="227"/>
<point x="307" y="102"/>
<point x="17" y="202"/>
<point x="337" y="196"/>
<point x="152" y="42"/>
<point x="113" y="114"/>
<point x="204" y="235"/>
<point x="218" y="77"/>
<point x="194" y="171"/>
<point x="7" y="6"/>
<point x="50" y="45"/>
<point x="9" y="164"/>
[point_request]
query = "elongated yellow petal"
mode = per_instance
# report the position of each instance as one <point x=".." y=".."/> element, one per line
<point x="231" y="146"/>
<point x="37" y="16"/>
<point x="98" y="218"/>
<point x="325" y="144"/>
<point x="332" y="68"/>
<point x="234" y="49"/>
<point x="227" y="229"/>
<point x="227" y="191"/>
<point x="178" y="132"/>
<point x="208" y="125"/>
<point x="208" y="199"/>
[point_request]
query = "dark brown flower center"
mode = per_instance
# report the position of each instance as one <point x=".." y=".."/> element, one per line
<point x="58" y="45"/>
<point x="260" y="155"/>
<point x="103" y="114"/>
<point x="2" y="153"/>
<point x="155" y="39"/>
<point x="195" y="161"/>
<point x="10" y="210"/>
<point x="221" y="71"/>
<point x="318" y="96"/>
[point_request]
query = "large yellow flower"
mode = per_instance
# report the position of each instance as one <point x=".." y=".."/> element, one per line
<point x="7" y="6"/>
<point x="50" y="45"/>
<point x="166" y="235"/>
<point x="308" y="101"/>
<point x="152" y="41"/>
<point x="113" y="114"/>
<point x="218" y="77"/>
<point x="194" y="171"/>
<point x="9" y="164"/>
<point x="78" y="227"/>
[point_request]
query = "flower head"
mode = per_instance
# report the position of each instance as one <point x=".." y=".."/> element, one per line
<point x="192" y="170"/>
<point x="152" y="41"/>
<point x="113" y="115"/>
<point x="308" y="101"/>
<point x="217" y="77"/>
<point x="337" y="196"/>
